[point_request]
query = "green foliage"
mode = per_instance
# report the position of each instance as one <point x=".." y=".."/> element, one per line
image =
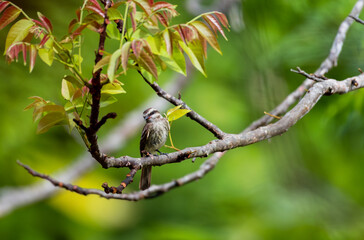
<point x="151" y="44"/>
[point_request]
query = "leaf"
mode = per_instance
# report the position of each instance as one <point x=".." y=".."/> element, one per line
<point x="95" y="10"/>
<point x="37" y="100"/>
<point x="73" y="80"/>
<point x="222" y="18"/>
<point x="214" y="24"/>
<point x="114" y="14"/>
<point x="100" y="64"/>
<point x="107" y="100"/>
<point x="175" y="113"/>
<point x="195" y="53"/>
<point x="176" y="62"/>
<point x="10" y="14"/>
<point x="47" y="53"/>
<point x="148" y="64"/>
<point x="18" y="32"/>
<point x="125" y="50"/>
<point x="67" y="90"/>
<point x="32" y="57"/>
<point x="113" y="64"/>
<point x="3" y="5"/>
<point x="50" y="120"/>
<point x="168" y="41"/>
<point x="45" y="22"/>
<point x="113" y="88"/>
<point x="207" y="34"/>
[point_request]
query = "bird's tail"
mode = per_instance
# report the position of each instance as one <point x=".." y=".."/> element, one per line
<point x="145" y="178"/>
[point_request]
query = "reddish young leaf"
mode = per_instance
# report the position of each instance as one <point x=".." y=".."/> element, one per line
<point x="150" y="2"/>
<point x="222" y="18"/>
<point x="180" y="32"/>
<point x="44" y="40"/>
<point x="214" y="24"/>
<point x="165" y="6"/>
<point x="132" y="15"/>
<point x="162" y="19"/>
<point x="144" y="5"/>
<point x="32" y="57"/>
<point x="148" y="64"/>
<point x="78" y="14"/>
<point x="137" y="46"/>
<point x="95" y="10"/>
<point x="3" y="5"/>
<point x="45" y="22"/>
<point x="72" y="25"/>
<point x="78" y="31"/>
<point x="125" y="50"/>
<point x="96" y="3"/>
<point x="10" y="14"/>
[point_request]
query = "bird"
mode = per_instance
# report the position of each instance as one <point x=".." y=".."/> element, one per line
<point x="154" y="136"/>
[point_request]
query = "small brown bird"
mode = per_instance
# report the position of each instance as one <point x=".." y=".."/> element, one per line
<point x="154" y="136"/>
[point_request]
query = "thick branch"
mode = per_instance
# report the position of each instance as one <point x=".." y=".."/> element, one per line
<point x="325" y="66"/>
<point x="218" y="133"/>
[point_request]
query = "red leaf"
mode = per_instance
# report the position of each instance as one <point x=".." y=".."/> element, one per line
<point x="132" y="14"/>
<point x="222" y="18"/>
<point x="162" y="19"/>
<point x="150" y="2"/>
<point x="72" y="25"/>
<point x="78" y="14"/>
<point x="148" y="63"/>
<point x="164" y="5"/>
<point x="78" y="31"/>
<point x="137" y="47"/>
<point x="3" y="5"/>
<point x="45" y="22"/>
<point x="214" y="24"/>
<point x="180" y="32"/>
<point x="33" y="56"/>
<point x="44" y="40"/>
<point x="94" y="2"/>
<point x="10" y="14"/>
<point x="95" y="10"/>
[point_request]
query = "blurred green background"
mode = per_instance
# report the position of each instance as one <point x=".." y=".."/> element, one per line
<point x="305" y="184"/>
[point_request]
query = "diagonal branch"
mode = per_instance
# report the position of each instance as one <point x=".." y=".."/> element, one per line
<point x="325" y="67"/>
<point x="218" y="133"/>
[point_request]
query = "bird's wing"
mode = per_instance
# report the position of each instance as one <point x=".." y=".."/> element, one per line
<point x="143" y="139"/>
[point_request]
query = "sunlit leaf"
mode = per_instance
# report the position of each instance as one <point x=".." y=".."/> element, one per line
<point x="50" y="120"/>
<point x="73" y="80"/>
<point x="67" y="90"/>
<point x="222" y="18"/>
<point x="113" y="88"/>
<point x="32" y="57"/>
<point x="113" y="64"/>
<point x="114" y="14"/>
<point x="47" y="53"/>
<point x="175" y="113"/>
<point x="195" y="53"/>
<point x="18" y="32"/>
<point x="207" y="34"/>
<point x="168" y="41"/>
<point x="10" y="14"/>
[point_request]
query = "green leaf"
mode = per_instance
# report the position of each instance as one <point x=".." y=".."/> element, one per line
<point x="10" y="14"/>
<point x="114" y="14"/>
<point x="176" y="62"/>
<point x="195" y="53"/>
<point x="100" y="64"/>
<point x="50" y="120"/>
<point x="73" y="80"/>
<point x="113" y="88"/>
<point x="47" y="53"/>
<point x="68" y="89"/>
<point x="107" y="100"/>
<point x="146" y="61"/>
<point x="18" y="32"/>
<point x="175" y="113"/>
<point x="113" y="32"/>
<point x="207" y="34"/>
<point x="113" y="64"/>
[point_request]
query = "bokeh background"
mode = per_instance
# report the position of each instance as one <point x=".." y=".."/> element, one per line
<point x="305" y="184"/>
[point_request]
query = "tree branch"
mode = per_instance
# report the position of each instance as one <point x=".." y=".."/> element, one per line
<point x="218" y="133"/>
